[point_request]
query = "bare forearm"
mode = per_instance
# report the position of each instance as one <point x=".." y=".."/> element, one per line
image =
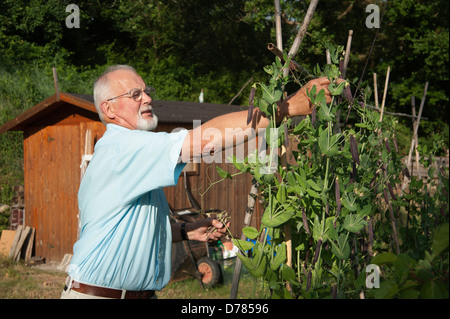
<point x="224" y="131"/>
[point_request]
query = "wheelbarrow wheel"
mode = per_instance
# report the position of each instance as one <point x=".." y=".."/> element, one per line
<point x="210" y="271"/>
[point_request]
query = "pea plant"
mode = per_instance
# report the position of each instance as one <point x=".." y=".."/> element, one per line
<point x="329" y="204"/>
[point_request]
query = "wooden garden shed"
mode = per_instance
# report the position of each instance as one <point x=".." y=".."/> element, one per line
<point x="60" y="130"/>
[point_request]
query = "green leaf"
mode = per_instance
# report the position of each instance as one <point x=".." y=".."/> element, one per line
<point x="312" y="193"/>
<point x="384" y="258"/>
<point x="387" y="290"/>
<point x="256" y="265"/>
<point x="347" y="204"/>
<point x="270" y="95"/>
<point x="423" y="274"/>
<point x="440" y="239"/>
<point x="250" y="232"/>
<point x="243" y="245"/>
<point x="318" y="226"/>
<point x="301" y="126"/>
<point x="341" y="249"/>
<point x="311" y="93"/>
<point x="402" y="265"/>
<point x="223" y="173"/>
<point x="410" y="293"/>
<point x="320" y="98"/>
<point x="281" y="194"/>
<point x="292" y="182"/>
<point x="264" y="106"/>
<point x="325" y="114"/>
<point x="271" y="219"/>
<point x="328" y="147"/>
<point x="288" y="273"/>
<point x="354" y="223"/>
<point x="434" y="290"/>
<point x="280" y="256"/>
<point x="314" y="185"/>
<point x="336" y="89"/>
<point x="332" y="232"/>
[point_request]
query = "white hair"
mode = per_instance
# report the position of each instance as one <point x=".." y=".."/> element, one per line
<point x="102" y="87"/>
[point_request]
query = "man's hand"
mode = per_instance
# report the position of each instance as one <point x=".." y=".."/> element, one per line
<point x="299" y="103"/>
<point x="206" y="230"/>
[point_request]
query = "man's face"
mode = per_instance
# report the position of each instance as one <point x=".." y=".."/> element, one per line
<point x="124" y="110"/>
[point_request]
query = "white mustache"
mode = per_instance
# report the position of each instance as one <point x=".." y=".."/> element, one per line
<point x="149" y="108"/>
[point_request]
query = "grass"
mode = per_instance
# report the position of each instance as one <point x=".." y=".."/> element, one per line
<point x="191" y="288"/>
<point x="18" y="281"/>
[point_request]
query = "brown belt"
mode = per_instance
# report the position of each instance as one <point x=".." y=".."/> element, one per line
<point x="110" y="293"/>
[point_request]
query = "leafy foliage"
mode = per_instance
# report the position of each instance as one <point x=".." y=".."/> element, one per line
<point x="409" y="278"/>
<point x="339" y="200"/>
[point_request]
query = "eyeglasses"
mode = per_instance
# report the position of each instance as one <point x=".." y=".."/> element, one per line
<point x="136" y="94"/>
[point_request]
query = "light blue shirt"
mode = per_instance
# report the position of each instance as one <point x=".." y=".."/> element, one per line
<point x="126" y="240"/>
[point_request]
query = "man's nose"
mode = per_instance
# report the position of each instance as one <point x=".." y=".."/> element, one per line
<point x="146" y="98"/>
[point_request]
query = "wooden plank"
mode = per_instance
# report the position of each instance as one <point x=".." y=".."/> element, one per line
<point x="23" y="237"/>
<point x="23" y="243"/>
<point x="16" y="241"/>
<point x="19" y="239"/>
<point x="6" y="242"/>
<point x="29" y="245"/>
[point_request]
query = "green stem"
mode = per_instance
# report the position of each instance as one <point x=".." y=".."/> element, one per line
<point x="220" y="180"/>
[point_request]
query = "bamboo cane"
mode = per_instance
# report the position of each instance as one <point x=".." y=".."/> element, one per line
<point x="302" y="30"/>
<point x="422" y="102"/>
<point x="278" y="25"/>
<point x="413" y="112"/>
<point x="287" y="229"/>
<point x="375" y="88"/>
<point x="247" y="220"/>
<point x="385" y="92"/>
<point x="347" y="52"/>
<point x="327" y="54"/>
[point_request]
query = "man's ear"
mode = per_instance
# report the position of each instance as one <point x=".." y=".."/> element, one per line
<point x="107" y="110"/>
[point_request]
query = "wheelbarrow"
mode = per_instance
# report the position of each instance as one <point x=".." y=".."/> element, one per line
<point x="192" y="258"/>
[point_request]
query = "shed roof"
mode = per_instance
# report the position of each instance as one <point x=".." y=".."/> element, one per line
<point x="175" y="112"/>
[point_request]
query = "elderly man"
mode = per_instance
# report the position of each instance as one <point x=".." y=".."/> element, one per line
<point x="124" y="249"/>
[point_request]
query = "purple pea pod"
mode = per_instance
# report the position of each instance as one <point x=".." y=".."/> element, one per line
<point x="391" y="191"/>
<point x="316" y="254"/>
<point x="313" y="115"/>
<point x="308" y="280"/>
<point x="338" y="197"/>
<point x="341" y="68"/>
<point x="443" y="189"/>
<point x="388" y="147"/>
<point x="250" y="105"/>
<point x="347" y="93"/>
<point x="395" y="144"/>
<point x="305" y="222"/>
<point x="333" y="291"/>
<point x="354" y="149"/>
<point x="307" y="249"/>
<point x="386" y="196"/>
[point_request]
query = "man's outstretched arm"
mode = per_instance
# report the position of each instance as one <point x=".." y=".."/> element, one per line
<point x="295" y="105"/>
